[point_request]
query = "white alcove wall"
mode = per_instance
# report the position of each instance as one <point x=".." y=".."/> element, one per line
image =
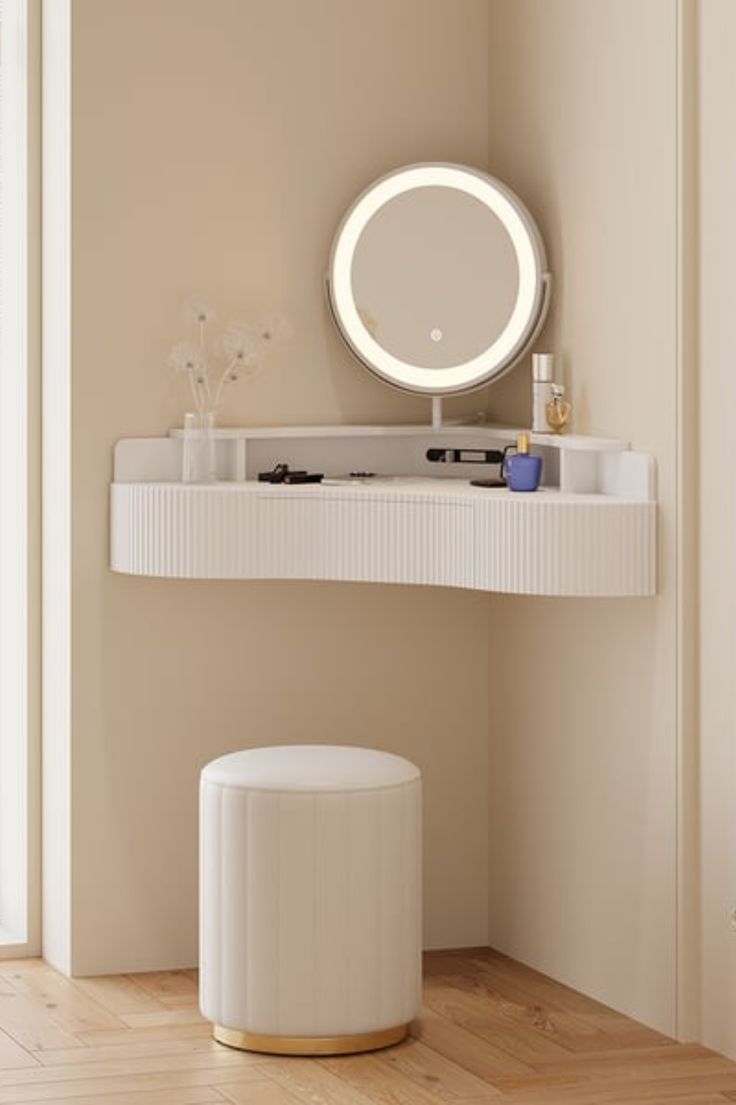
<point x="583" y="809"/>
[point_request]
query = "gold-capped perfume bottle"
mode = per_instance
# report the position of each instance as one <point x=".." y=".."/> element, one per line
<point x="522" y="469"/>
<point x="558" y="410"/>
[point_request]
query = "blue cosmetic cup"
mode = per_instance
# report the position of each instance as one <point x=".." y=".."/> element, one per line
<point x="522" y="471"/>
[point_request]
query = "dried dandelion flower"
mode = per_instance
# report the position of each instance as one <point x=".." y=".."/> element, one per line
<point x="275" y="328"/>
<point x="188" y="358"/>
<point x="198" y="311"/>
<point x="240" y="342"/>
<point x="239" y="351"/>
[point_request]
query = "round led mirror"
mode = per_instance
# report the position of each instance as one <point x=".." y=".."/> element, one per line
<point x="437" y="279"/>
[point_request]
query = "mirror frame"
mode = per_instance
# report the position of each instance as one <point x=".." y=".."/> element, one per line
<point x="532" y="298"/>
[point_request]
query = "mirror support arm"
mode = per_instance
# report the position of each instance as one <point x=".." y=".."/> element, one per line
<point x="546" y="293"/>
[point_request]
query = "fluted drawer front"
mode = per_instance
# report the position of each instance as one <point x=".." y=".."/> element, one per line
<point x="443" y="535"/>
<point x="310" y="909"/>
<point x="542" y="547"/>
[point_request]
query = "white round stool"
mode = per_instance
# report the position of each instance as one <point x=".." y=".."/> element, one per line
<point x="310" y="885"/>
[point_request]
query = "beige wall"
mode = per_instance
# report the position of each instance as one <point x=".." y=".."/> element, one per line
<point x="215" y="146"/>
<point x="716" y="31"/>
<point x="583" y="740"/>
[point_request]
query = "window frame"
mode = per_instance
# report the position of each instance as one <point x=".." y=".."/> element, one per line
<point x="19" y="477"/>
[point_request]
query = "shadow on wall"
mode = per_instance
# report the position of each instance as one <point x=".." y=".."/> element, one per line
<point x="579" y="815"/>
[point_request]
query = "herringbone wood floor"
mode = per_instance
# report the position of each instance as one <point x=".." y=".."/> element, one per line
<point x="491" y="1031"/>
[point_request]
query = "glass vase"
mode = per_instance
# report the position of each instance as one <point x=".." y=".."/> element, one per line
<point x="198" y="457"/>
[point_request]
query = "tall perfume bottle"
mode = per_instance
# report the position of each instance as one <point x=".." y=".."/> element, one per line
<point x="522" y="470"/>
<point x="543" y="366"/>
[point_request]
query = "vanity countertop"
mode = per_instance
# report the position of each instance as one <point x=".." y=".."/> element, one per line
<point x="385" y="487"/>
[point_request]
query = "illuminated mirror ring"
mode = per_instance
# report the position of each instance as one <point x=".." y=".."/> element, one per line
<point x="451" y="255"/>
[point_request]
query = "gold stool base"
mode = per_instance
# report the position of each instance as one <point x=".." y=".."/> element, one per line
<point x="310" y="1045"/>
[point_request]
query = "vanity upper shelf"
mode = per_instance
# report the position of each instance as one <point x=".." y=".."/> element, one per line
<point x="590" y="531"/>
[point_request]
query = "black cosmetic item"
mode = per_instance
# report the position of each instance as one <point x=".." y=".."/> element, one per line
<point x="303" y="477"/>
<point x="465" y="456"/>
<point x="281" y="473"/>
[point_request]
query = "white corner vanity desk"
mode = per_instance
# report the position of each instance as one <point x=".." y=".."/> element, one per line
<point x="593" y="533"/>
<point x="438" y="284"/>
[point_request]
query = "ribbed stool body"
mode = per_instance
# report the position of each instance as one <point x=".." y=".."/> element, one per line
<point x="310" y="898"/>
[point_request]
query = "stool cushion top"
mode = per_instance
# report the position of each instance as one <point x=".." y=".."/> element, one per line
<point x="310" y="767"/>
